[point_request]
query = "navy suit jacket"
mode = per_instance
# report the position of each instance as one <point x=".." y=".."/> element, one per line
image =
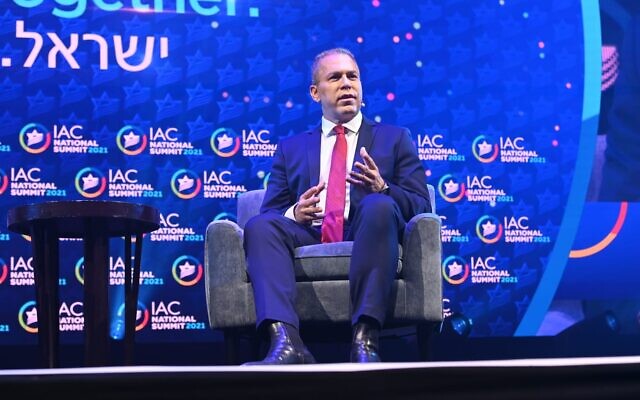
<point x="296" y="167"/>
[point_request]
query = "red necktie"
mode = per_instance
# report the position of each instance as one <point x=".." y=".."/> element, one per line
<point x="332" y="226"/>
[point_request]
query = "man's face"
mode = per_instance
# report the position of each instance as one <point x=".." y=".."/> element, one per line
<point x="338" y="87"/>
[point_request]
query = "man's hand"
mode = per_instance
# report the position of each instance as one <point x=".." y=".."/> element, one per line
<point x="306" y="210"/>
<point x="367" y="174"/>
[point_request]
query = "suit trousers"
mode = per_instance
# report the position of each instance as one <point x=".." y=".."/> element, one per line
<point x="375" y="226"/>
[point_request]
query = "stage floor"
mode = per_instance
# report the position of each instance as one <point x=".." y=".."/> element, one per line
<point x="557" y="378"/>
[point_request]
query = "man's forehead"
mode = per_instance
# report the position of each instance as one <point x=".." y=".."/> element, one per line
<point x="337" y="63"/>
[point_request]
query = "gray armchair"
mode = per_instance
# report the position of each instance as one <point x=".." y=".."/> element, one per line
<point x="322" y="278"/>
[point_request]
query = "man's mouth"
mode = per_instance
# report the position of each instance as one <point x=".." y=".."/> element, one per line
<point x="346" y="97"/>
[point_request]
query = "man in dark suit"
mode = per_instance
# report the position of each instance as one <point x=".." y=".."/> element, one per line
<point x="383" y="184"/>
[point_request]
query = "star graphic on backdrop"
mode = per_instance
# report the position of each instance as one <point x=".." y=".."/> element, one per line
<point x="288" y="46"/>
<point x="198" y="31"/>
<point x="433" y="73"/>
<point x="431" y="41"/>
<point x="136" y="94"/>
<point x="460" y="85"/>
<point x="199" y="128"/>
<point x="512" y="57"/>
<point x="405" y="83"/>
<point x="229" y="109"/>
<point x="290" y="113"/>
<point x="406" y="114"/>
<point x="73" y="119"/>
<point x="500" y="327"/>
<point x="430" y="11"/>
<point x="229" y="43"/>
<point x="259" y="98"/>
<point x="484" y="14"/>
<point x="547" y="201"/>
<point x="198" y="96"/>
<point x="229" y="76"/>
<point x="259" y="65"/>
<point x="488" y="106"/>
<point x="462" y="116"/>
<point x="511" y="26"/>
<point x="167" y="107"/>
<point x="486" y="75"/>
<point x="167" y="74"/>
<point x="498" y="296"/>
<point x="459" y="54"/>
<point x="485" y="44"/>
<point x="457" y="23"/>
<point x="288" y="14"/>
<point x="105" y="105"/>
<point x="258" y="33"/>
<point x="376" y="70"/>
<point x="136" y="26"/>
<point x="317" y="35"/>
<point x="520" y="180"/>
<point x="522" y="306"/>
<point x="10" y="90"/>
<point x="198" y="63"/>
<point x="289" y="78"/>
<point x="526" y="276"/>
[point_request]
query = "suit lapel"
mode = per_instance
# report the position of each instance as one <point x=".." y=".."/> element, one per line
<point x="365" y="138"/>
<point x="313" y="155"/>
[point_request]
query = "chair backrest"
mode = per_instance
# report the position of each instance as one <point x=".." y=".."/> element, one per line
<point x="249" y="203"/>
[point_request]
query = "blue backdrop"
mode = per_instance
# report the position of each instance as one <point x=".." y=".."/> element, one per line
<point x="180" y="105"/>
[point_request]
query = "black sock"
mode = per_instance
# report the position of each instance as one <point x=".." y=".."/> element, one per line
<point x="370" y="322"/>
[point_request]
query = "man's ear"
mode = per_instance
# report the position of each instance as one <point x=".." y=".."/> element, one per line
<point x="313" y="91"/>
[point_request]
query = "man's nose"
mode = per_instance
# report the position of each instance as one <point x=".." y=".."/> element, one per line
<point x="345" y="81"/>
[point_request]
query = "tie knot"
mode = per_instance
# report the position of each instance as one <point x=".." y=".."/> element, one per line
<point x="339" y="130"/>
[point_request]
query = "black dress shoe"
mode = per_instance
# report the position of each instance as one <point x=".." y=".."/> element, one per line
<point x="364" y="347"/>
<point x="282" y="349"/>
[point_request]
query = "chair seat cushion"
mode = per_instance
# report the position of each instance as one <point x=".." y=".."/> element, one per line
<point x="326" y="261"/>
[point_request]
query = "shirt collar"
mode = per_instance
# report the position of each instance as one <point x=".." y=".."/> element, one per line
<point x="352" y="126"/>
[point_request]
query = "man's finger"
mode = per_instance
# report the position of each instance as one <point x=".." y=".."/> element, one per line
<point x="367" y="158"/>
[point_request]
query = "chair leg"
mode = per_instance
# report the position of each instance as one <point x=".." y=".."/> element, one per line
<point x="423" y="337"/>
<point x="231" y="338"/>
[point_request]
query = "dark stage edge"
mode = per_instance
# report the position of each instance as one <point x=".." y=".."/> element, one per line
<point x="559" y="378"/>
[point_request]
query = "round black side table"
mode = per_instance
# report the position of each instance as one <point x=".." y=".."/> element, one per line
<point x="95" y="222"/>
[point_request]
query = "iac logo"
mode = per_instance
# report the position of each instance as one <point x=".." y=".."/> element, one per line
<point x="28" y="317"/>
<point x="185" y="184"/>
<point x="450" y="189"/>
<point x="489" y="229"/>
<point x="131" y="140"/>
<point x="4" y="271"/>
<point x="455" y="270"/>
<point x="187" y="270"/>
<point x="117" y="323"/>
<point x="225" y="142"/>
<point x="90" y="182"/>
<point x="483" y="150"/>
<point x="34" y="138"/>
<point x="4" y="181"/>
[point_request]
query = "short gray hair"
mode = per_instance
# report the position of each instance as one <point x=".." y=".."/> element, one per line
<point x="321" y="55"/>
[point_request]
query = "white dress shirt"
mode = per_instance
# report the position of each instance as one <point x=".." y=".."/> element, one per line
<point x="327" y="142"/>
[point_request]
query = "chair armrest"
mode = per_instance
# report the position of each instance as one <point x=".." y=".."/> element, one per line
<point x="228" y="291"/>
<point x="224" y="257"/>
<point x="421" y="270"/>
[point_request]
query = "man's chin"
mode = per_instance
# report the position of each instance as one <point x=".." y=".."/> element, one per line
<point x="348" y="111"/>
